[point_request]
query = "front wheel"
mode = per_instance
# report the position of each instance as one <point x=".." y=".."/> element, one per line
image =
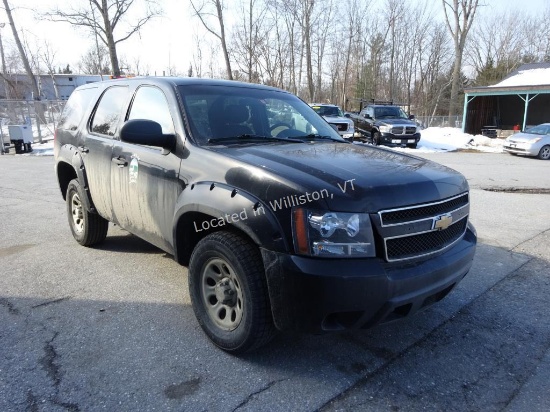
<point x="88" y="228"/>
<point x="376" y="138"/>
<point x="229" y="294"/>
<point x="544" y="153"/>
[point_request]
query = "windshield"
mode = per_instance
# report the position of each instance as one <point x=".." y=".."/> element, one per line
<point x="330" y="111"/>
<point x="244" y="115"/>
<point x="541" y="129"/>
<point x="389" y="112"/>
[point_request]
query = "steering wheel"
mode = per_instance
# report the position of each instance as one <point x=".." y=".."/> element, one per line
<point x="278" y="128"/>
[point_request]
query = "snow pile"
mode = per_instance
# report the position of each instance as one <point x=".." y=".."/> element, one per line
<point x="532" y="77"/>
<point x="447" y="139"/>
<point x="450" y="139"/>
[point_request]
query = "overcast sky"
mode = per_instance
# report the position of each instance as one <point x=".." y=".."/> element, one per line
<point x="165" y="41"/>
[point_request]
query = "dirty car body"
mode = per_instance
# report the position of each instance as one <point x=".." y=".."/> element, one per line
<point x="281" y="228"/>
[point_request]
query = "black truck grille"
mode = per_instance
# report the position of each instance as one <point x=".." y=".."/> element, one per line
<point x="424" y="243"/>
<point x="423" y="211"/>
<point x="403" y="130"/>
<point x="421" y="230"/>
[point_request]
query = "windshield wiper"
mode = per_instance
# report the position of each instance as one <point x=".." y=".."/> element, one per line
<point x="252" y="138"/>
<point x="318" y="136"/>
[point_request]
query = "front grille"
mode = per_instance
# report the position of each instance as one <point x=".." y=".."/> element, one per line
<point x="342" y="127"/>
<point x="397" y="130"/>
<point x="397" y="216"/>
<point x="403" y="130"/>
<point x="420" y="230"/>
<point x="424" y="243"/>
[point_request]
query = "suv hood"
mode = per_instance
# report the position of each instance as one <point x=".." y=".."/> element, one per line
<point x="356" y="178"/>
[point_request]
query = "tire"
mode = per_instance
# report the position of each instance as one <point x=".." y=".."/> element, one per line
<point x="229" y="294"/>
<point x="544" y="153"/>
<point x="87" y="228"/>
<point x="376" y="138"/>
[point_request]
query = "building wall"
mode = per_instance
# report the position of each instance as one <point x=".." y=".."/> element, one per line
<point x="21" y="88"/>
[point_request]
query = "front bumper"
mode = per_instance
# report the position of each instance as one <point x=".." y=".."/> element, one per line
<point x="525" y="149"/>
<point x="321" y="295"/>
<point x="390" y="139"/>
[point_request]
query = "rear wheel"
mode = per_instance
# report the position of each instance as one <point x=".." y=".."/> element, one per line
<point x="88" y="228"/>
<point x="544" y="153"/>
<point x="228" y="290"/>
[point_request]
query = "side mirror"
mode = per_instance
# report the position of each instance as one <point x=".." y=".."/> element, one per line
<point x="411" y="117"/>
<point x="146" y="132"/>
<point x="347" y="115"/>
<point x="367" y="116"/>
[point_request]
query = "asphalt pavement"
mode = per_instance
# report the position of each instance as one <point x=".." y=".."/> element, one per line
<point x="111" y="328"/>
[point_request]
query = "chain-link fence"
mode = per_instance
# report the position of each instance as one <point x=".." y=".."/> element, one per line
<point x="42" y="116"/>
<point x="439" y="121"/>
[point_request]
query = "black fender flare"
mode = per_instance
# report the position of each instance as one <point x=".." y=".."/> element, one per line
<point x="70" y="154"/>
<point x="207" y="206"/>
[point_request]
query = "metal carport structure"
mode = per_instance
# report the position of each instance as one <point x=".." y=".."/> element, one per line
<point x="522" y="99"/>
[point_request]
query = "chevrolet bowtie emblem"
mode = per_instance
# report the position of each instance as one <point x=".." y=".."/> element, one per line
<point x="442" y="222"/>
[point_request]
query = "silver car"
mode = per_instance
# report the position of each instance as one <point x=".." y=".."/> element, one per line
<point x="532" y="142"/>
<point x="334" y="116"/>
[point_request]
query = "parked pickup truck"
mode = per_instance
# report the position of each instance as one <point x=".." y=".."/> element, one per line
<point x="386" y="124"/>
<point x="281" y="227"/>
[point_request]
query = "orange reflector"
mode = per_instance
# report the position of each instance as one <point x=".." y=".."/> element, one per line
<point x="300" y="227"/>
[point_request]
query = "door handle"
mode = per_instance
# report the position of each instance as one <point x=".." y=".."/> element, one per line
<point x="120" y="161"/>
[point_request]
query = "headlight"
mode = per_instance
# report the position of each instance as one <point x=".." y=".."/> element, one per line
<point x="385" y="129"/>
<point x="332" y="234"/>
<point x="535" y="140"/>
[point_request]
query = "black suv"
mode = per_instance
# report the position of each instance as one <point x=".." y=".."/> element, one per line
<point x="281" y="227"/>
<point x="388" y="125"/>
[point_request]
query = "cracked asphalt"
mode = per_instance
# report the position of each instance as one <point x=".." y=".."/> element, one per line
<point x="111" y="328"/>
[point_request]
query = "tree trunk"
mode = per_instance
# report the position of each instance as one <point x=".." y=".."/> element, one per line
<point x="110" y="39"/>
<point x="24" y="59"/>
<point x="223" y="40"/>
<point x="307" y="34"/>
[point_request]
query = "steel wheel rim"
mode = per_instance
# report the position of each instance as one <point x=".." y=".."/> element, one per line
<point x="77" y="213"/>
<point x="218" y="278"/>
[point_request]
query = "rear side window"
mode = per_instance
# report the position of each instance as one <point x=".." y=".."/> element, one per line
<point x="108" y="111"/>
<point x="75" y="108"/>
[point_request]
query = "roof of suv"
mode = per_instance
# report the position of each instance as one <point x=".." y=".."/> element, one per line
<point x="180" y="81"/>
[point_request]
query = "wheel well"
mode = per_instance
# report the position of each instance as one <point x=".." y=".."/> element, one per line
<point x="65" y="173"/>
<point x="189" y="232"/>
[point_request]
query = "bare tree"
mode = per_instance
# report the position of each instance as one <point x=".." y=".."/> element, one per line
<point x="463" y="13"/>
<point x="94" y="61"/>
<point x="111" y="16"/>
<point x="22" y="54"/>
<point x="47" y="55"/>
<point x="204" y="12"/>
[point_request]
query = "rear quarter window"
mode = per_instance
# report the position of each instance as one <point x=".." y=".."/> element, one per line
<point x="75" y="108"/>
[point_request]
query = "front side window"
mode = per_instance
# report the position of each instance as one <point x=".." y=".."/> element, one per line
<point x="150" y="104"/>
<point x="108" y="111"/>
